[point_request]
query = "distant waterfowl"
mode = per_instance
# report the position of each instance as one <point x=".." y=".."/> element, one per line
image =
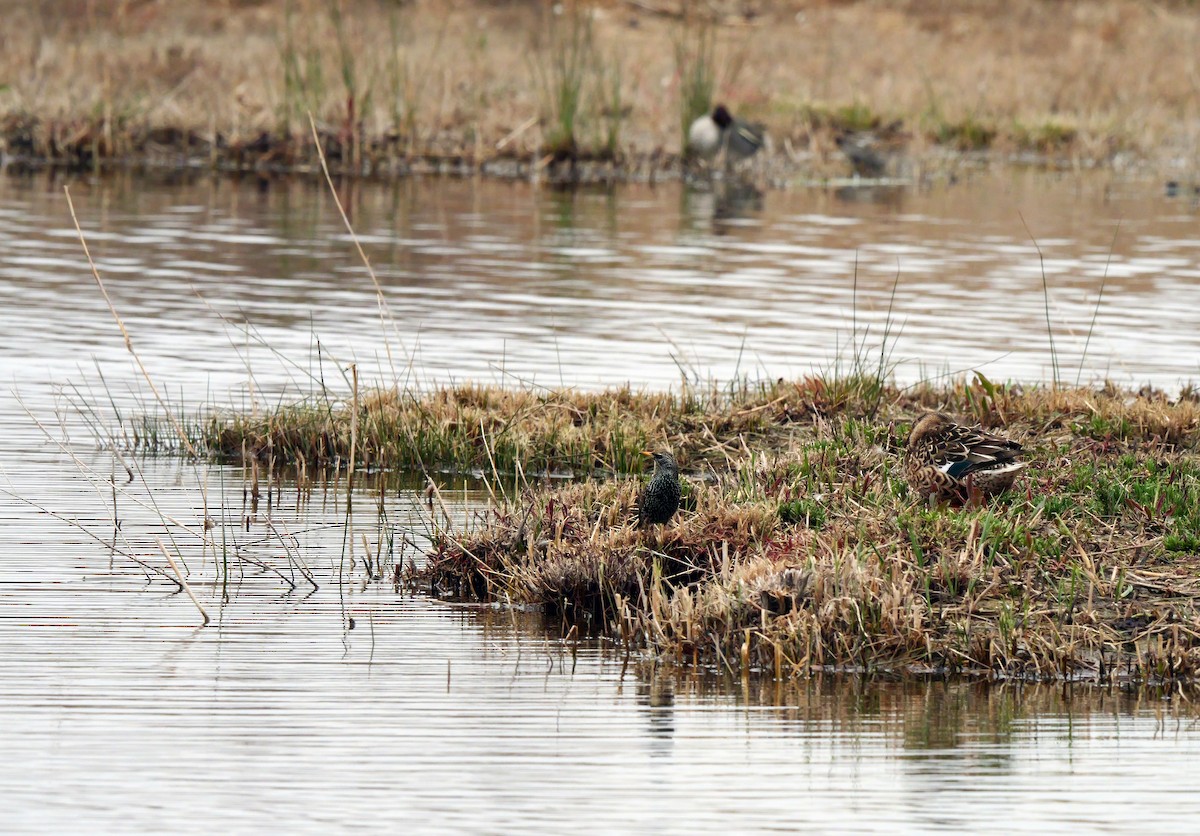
<point x="945" y="460"/>
<point x="660" y="498"/>
<point x="863" y="150"/>
<point x="704" y="137"/>
<point x="712" y="133"/>
<point x="875" y="153"/>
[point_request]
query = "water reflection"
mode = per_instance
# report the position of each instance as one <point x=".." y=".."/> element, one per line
<point x="504" y="282"/>
<point x="721" y="206"/>
<point x="296" y="703"/>
<point x="300" y="704"/>
<point x="656" y="697"/>
<point x="888" y="196"/>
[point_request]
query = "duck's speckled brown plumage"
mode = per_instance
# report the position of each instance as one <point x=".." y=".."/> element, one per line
<point x="659" y="500"/>
<point x="945" y="460"/>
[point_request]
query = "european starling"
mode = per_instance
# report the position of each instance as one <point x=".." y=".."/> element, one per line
<point x="945" y="460"/>
<point x="711" y="133"/>
<point x="660" y="498"/>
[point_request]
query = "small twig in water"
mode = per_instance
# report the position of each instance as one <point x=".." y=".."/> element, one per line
<point x="385" y="312"/>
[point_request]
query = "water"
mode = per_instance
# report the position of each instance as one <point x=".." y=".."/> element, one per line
<point x="498" y="281"/>
<point x="121" y="715"/>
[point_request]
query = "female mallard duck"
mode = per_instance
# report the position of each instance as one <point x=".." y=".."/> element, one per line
<point x="945" y="460"/>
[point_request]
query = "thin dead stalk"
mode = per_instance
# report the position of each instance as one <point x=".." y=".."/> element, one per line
<point x="124" y="332"/>
<point x="385" y="312"/>
<point x="183" y="582"/>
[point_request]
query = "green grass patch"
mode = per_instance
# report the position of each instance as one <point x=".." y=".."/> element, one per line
<point x="969" y="134"/>
<point x="806" y="512"/>
<point x="1045" y="137"/>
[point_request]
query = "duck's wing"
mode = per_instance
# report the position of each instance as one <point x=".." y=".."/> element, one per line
<point x="960" y="451"/>
<point x="746" y="138"/>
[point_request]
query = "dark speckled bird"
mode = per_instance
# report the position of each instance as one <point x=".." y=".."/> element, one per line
<point x="862" y="150"/>
<point x="660" y="498"/>
<point x="874" y="154"/>
<point x="945" y="460"/>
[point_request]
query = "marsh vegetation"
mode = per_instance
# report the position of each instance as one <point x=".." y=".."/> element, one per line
<point x="517" y="89"/>
<point x="800" y="546"/>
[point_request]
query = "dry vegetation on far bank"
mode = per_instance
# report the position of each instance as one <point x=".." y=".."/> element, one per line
<point x="424" y="85"/>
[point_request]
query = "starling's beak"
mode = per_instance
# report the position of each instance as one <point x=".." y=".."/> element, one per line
<point x="647" y="453"/>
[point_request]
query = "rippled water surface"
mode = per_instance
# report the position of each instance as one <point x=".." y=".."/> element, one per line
<point x="353" y="706"/>
<point x="491" y="280"/>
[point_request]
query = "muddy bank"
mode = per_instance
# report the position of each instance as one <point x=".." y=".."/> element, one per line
<point x="599" y="91"/>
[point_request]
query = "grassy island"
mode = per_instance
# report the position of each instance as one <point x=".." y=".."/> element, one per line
<point x="800" y="547"/>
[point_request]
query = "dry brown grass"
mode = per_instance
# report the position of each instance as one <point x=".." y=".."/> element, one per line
<point x="524" y="431"/>
<point x="108" y="79"/>
<point x="800" y="548"/>
<point x="485" y="428"/>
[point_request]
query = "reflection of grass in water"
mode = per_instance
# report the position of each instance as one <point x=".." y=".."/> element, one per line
<point x="227" y="556"/>
<point x="919" y="714"/>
